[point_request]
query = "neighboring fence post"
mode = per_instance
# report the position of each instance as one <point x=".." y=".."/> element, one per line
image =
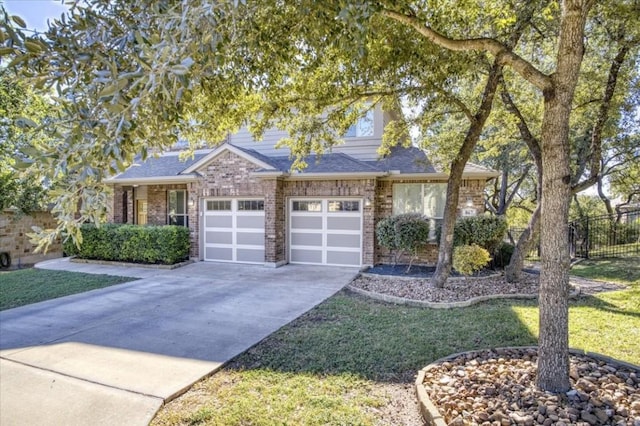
<point x="588" y="238"/>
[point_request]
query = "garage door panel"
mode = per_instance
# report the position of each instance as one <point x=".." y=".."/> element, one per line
<point x="343" y="258"/>
<point x="328" y="234"/>
<point x="343" y="240"/>
<point x="218" y="221"/>
<point x="306" y="222"/>
<point x="234" y="230"/>
<point x="306" y="256"/>
<point x="218" y="237"/>
<point x="250" y="222"/>
<point x="250" y="238"/>
<point x="219" y="253"/>
<point x="250" y="255"/>
<point x="306" y="239"/>
<point x="345" y="223"/>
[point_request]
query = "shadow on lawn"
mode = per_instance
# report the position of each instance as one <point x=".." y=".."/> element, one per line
<point x="590" y="301"/>
<point x="383" y="342"/>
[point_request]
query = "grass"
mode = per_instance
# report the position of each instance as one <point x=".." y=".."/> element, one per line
<point x="335" y="364"/>
<point x="26" y="286"/>
<point x="621" y="270"/>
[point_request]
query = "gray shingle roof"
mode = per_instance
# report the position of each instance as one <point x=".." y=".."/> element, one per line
<point x="163" y="166"/>
<point x="403" y="160"/>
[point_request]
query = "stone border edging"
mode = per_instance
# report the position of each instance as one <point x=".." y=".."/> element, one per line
<point x="129" y="264"/>
<point x="410" y="278"/>
<point x="431" y="414"/>
<point x="442" y="305"/>
<point x="437" y="305"/>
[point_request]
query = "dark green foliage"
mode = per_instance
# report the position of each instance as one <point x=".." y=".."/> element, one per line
<point x="403" y="234"/>
<point x="132" y="243"/>
<point x="502" y="256"/>
<point x="486" y="231"/>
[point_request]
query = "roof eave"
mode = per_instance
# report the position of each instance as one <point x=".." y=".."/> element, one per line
<point x="336" y="175"/>
<point x="152" y="180"/>
<point x="440" y="175"/>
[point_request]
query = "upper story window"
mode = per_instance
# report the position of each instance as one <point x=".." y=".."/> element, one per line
<point x="362" y="128"/>
<point x="177" y="208"/>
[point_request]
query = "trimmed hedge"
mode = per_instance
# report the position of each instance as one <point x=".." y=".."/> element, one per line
<point x="132" y="243"/>
<point x="487" y="232"/>
<point x="403" y="233"/>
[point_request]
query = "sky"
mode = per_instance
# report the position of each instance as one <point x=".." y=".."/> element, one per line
<point x="35" y="12"/>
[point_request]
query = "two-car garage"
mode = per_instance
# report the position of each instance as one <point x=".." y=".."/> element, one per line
<point x="321" y="231"/>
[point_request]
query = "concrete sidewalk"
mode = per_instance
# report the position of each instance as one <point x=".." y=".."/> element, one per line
<point x="115" y="355"/>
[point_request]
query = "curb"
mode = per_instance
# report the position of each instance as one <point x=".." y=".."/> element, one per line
<point x="432" y="416"/>
<point x="129" y="264"/>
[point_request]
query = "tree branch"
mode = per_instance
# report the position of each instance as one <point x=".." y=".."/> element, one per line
<point x="503" y="55"/>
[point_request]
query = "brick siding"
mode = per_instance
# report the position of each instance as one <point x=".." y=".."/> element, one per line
<point x="14" y="239"/>
<point x="229" y="175"/>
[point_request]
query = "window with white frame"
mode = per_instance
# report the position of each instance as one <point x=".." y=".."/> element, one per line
<point x="177" y="207"/>
<point x="362" y="128"/>
<point x="425" y="198"/>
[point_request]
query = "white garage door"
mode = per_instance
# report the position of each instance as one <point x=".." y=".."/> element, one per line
<point x="234" y="230"/>
<point x="325" y="231"/>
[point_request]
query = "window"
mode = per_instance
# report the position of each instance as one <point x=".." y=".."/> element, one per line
<point x="362" y="128"/>
<point x="250" y="205"/>
<point x="344" y="206"/>
<point x="219" y="205"/>
<point x="177" y="204"/>
<point x="425" y="198"/>
<point x="307" y="206"/>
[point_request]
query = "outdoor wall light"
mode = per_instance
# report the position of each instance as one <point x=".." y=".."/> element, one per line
<point x="367" y="202"/>
<point x="469" y="202"/>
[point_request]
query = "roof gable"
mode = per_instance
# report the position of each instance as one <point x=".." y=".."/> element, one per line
<point x="252" y="157"/>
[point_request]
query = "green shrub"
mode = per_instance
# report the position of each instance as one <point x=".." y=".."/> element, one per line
<point x="487" y="232"/>
<point x="403" y="234"/>
<point x="132" y="243"/>
<point x="468" y="259"/>
<point x="502" y="255"/>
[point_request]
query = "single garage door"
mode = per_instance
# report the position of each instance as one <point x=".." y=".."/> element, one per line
<point x="325" y="231"/>
<point x="234" y="230"/>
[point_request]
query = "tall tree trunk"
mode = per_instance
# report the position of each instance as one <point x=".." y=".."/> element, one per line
<point x="525" y="243"/>
<point x="445" y="250"/>
<point x="553" y="354"/>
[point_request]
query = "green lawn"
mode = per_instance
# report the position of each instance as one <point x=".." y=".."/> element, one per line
<point x="22" y="287"/>
<point x="334" y="365"/>
<point x="622" y="270"/>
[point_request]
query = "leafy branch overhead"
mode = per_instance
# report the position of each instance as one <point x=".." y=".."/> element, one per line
<point x="130" y="79"/>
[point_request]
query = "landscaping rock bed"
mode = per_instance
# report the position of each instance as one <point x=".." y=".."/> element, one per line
<point x="497" y="387"/>
<point x="454" y="290"/>
<point x="462" y="289"/>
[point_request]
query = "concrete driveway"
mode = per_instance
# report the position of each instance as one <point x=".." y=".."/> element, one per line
<point x="115" y="355"/>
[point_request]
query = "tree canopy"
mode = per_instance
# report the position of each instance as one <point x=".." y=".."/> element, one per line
<point x="131" y="79"/>
<point x="19" y="190"/>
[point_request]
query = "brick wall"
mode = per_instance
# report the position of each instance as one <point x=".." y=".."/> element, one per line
<point x="13" y="237"/>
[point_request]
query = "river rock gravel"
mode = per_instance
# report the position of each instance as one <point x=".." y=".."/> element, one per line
<point x="497" y="387"/>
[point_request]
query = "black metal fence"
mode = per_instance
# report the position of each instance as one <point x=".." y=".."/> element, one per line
<point x="599" y="236"/>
